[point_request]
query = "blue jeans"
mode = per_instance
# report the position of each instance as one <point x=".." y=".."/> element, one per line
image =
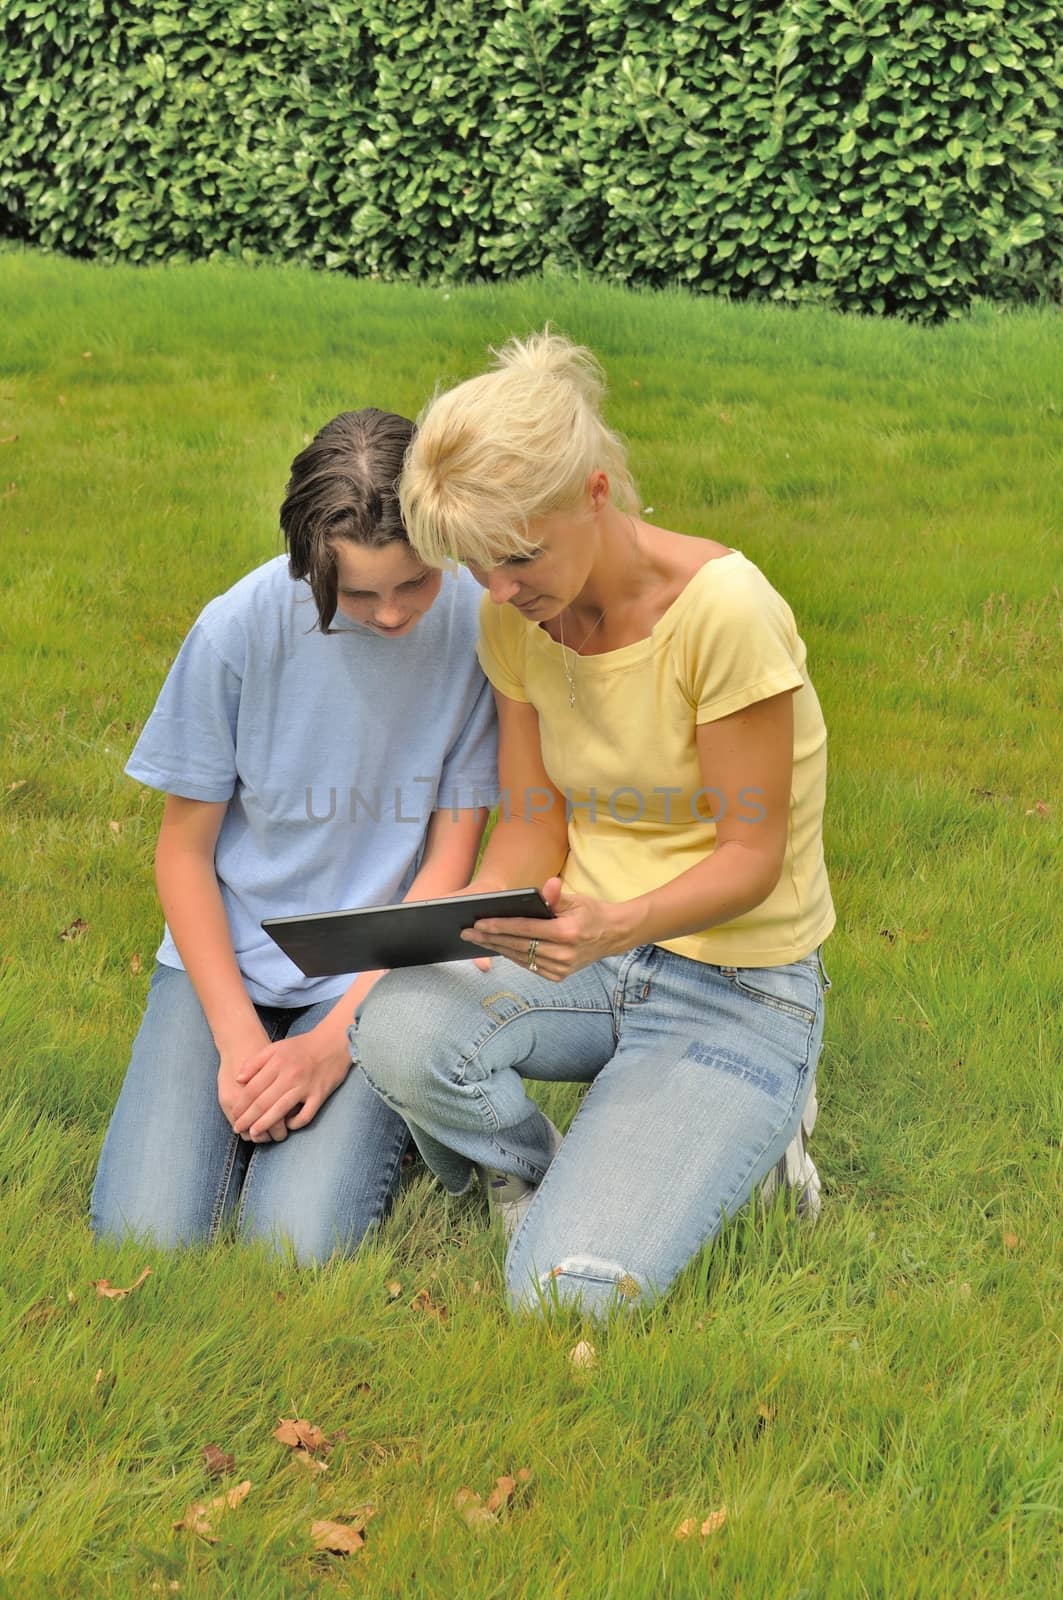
<point x="698" y="1076"/>
<point x="172" y="1169"/>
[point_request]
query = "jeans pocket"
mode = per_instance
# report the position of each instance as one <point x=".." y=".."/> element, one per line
<point x="793" y="990"/>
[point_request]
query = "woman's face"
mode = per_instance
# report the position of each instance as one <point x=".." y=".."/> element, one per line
<point x="387" y="589"/>
<point x="542" y="584"/>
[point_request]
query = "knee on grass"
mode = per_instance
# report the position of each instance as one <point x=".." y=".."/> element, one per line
<point x="585" y="1283"/>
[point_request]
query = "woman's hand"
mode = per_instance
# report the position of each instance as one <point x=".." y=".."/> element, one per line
<point x="581" y="932"/>
<point x="293" y="1075"/>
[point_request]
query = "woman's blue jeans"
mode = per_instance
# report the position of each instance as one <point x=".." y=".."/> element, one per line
<point x="698" y="1076"/>
<point x="172" y="1169"/>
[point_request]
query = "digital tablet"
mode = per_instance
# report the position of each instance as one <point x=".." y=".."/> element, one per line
<point x="413" y="934"/>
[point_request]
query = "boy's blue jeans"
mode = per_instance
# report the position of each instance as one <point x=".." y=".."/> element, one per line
<point x="172" y="1169"/>
<point x="698" y="1076"/>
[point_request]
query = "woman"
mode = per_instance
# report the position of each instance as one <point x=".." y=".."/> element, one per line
<point x="662" y="761"/>
<point x="305" y="767"/>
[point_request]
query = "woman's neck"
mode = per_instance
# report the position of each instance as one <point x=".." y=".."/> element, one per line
<point x="622" y="570"/>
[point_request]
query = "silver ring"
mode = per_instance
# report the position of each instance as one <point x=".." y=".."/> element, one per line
<point x="533" y="945"/>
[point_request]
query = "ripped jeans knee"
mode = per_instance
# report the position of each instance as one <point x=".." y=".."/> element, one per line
<point x="581" y="1282"/>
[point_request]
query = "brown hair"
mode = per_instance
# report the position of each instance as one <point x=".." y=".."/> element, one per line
<point x="344" y="486"/>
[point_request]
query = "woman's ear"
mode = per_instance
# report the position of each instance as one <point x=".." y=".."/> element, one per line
<point x="598" y="488"/>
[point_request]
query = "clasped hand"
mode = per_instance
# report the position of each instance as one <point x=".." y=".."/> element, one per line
<point x="286" y="1083"/>
<point x="581" y="932"/>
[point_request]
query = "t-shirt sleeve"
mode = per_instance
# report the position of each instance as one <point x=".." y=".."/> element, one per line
<point x="501" y="649"/>
<point x="738" y="646"/>
<point x="188" y="744"/>
<point x="469" y="776"/>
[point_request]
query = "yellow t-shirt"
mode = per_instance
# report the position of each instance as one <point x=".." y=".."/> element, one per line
<point x="625" y="759"/>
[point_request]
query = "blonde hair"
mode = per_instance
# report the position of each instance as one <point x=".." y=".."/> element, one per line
<point x="519" y="442"/>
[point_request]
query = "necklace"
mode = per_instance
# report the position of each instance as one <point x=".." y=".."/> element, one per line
<point x="570" y="677"/>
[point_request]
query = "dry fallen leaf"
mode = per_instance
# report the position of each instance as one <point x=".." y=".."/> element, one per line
<point x="19" y="783"/>
<point x="201" y="1518"/>
<point x="1040" y="809"/>
<point x="115" y="827"/>
<point x="479" y="1513"/>
<point x="475" y="1514"/>
<point x="342" y="1538"/>
<point x="9" y="438"/>
<point x="134" y="964"/>
<point x="75" y="929"/>
<point x="300" y="1458"/>
<point x="106" y="1291"/>
<point x="394" y="1290"/>
<point x="1011" y="1241"/>
<point x="301" y="1435"/>
<point x="218" y="1462"/>
<point x="583" y="1354"/>
<point x="713" y="1521"/>
<point x="422" y="1301"/>
<point x="501" y="1494"/>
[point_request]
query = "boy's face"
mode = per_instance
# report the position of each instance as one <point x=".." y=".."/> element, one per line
<point x="387" y="589"/>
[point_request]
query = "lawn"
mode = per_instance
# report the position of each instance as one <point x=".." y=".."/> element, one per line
<point x="875" y="1401"/>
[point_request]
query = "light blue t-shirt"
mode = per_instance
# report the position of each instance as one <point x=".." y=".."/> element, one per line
<point x="332" y="751"/>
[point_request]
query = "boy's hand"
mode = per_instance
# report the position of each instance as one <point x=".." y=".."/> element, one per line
<point x="232" y="1094"/>
<point x="288" y="1082"/>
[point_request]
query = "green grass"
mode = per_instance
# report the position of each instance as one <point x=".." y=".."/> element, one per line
<point x="874" y="1401"/>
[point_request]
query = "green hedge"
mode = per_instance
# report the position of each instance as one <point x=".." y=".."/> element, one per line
<point x="870" y="154"/>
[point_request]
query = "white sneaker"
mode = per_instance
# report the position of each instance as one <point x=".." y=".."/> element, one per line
<point x="509" y="1196"/>
<point x="795" y="1168"/>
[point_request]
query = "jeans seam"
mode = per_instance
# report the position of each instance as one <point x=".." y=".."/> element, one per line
<point x="619" y="988"/>
<point x="217" y="1213"/>
<point x="800" y="1079"/>
<point x="387" y="1183"/>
